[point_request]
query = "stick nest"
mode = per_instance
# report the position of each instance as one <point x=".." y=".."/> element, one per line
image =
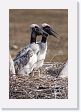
<point x="46" y="86"/>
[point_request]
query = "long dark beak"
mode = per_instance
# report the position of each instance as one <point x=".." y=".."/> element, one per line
<point x="55" y="34"/>
<point x="43" y="33"/>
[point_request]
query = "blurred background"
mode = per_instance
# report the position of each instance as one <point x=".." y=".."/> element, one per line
<point x="19" y="31"/>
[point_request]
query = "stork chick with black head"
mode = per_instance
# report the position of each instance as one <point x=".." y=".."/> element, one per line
<point x="27" y="57"/>
<point x="43" y="44"/>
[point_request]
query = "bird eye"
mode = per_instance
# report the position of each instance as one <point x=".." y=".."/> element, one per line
<point x="36" y="29"/>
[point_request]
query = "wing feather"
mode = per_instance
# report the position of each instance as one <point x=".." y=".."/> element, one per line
<point x="21" y="53"/>
<point x="22" y="60"/>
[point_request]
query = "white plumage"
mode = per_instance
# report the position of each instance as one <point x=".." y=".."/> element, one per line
<point x="41" y="54"/>
<point x="64" y="72"/>
<point x="11" y="65"/>
<point x="25" y="63"/>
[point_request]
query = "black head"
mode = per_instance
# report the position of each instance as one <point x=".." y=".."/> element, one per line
<point x="37" y="30"/>
<point x="47" y="28"/>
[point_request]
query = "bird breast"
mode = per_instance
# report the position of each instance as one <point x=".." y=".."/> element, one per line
<point x="42" y="51"/>
<point x="41" y="54"/>
<point x="34" y="47"/>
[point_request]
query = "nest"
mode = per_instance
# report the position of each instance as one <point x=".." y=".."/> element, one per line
<point x="46" y="85"/>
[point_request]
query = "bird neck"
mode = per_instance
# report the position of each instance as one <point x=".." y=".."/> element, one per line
<point x="33" y="37"/>
<point x="44" y="39"/>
